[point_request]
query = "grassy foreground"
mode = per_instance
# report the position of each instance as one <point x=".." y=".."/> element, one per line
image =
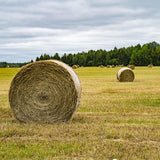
<point x="115" y="120"/>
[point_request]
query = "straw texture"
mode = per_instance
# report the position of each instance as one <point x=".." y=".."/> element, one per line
<point x="125" y="75"/>
<point x="45" y="92"/>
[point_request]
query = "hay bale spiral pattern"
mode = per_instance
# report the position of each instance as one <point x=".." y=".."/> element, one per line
<point x="125" y="75"/>
<point x="45" y="92"/>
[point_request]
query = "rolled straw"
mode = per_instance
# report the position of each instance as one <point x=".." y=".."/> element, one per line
<point x="125" y="75"/>
<point x="45" y="91"/>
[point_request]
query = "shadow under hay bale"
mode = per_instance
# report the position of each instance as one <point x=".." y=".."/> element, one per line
<point x="45" y="92"/>
<point x="125" y="75"/>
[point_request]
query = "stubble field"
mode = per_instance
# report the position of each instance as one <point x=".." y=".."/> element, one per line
<point x="114" y="120"/>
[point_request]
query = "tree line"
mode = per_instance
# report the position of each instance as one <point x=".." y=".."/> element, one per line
<point x="137" y="55"/>
<point x="13" y="65"/>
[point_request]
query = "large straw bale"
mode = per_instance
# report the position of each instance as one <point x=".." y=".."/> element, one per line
<point x="125" y="75"/>
<point x="45" y="92"/>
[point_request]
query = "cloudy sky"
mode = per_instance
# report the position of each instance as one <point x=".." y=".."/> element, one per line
<point x="29" y="28"/>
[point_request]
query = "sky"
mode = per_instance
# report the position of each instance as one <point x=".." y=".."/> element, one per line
<point x="29" y="28"/>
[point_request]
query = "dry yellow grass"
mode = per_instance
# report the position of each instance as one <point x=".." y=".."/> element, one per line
<point x="114" y="120"/>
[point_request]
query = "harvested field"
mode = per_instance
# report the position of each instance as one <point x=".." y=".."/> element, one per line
<point x="114" y="120"/>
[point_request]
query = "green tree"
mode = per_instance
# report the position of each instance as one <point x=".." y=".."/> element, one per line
<point x="46" y="57"/>
<point x="37" y="58"/>
<point x="56" y="56"/>
<point x="107" y="58"/>
<point x="64" y="58"/>
<point x="3" y="64"/>
<point x="113" y="61"/>
<point x="69" y="59"/>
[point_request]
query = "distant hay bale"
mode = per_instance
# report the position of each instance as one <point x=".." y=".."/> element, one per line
<point x="150" y="66"/>
<point x="108" y="66"/>
<point x="131" y="67"/>
<point x="74" y="66"/>
<point x="125" y="75"/>
<point x="113" y="66"/>
<point x="45" y="92"/>
<point x="101" y="66"/>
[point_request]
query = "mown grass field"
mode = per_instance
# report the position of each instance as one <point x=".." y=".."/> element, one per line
<point x="115" y="120"/>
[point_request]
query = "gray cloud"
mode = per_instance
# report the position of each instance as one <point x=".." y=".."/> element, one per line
<point x="30" y="28"/>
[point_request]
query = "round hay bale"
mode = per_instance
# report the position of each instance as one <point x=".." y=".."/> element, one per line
<point x="125" y="75"/>
<point x="113" y="66"/>
<point x="108" y="66"/>
<point x="74" y="66"/>
<point x="131" y="67"/>
<point x="101" y="66"/>
<point x="45" y="92"/>
<point x="150" y="66"/>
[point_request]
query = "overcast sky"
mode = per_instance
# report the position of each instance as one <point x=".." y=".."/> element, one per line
<point x="29" y="28"/>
